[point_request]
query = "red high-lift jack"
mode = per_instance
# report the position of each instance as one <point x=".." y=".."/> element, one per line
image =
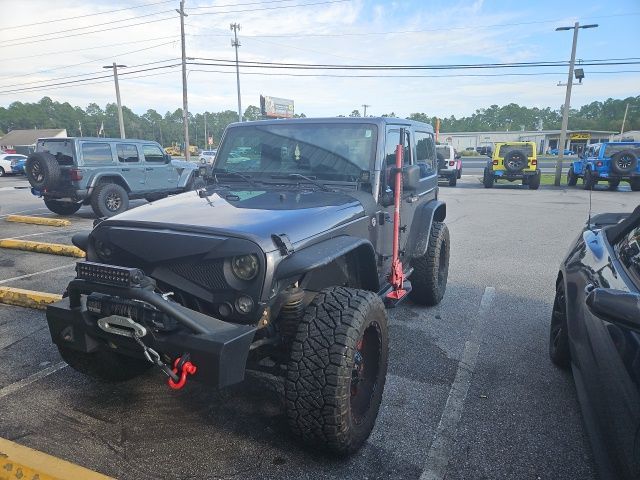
<point x="396" y="276"/>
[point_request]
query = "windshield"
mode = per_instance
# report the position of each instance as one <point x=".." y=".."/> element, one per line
<point x="326" y="151"/>
<point x="443" y="150"/>
<point x="61" y="149"/>
<point x="612" y="149"/>
<point x="527" y="149"/>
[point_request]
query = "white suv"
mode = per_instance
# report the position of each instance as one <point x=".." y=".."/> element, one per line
<point x="207" y="156"/>
<point x="449" y="164"/>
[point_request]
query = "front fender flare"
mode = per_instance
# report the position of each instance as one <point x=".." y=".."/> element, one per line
<point x="323" y="253"/>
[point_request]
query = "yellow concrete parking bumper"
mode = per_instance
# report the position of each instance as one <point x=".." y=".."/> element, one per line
<point x="27" y="298"/>
<point x="51" y="222"/>
<point x="42" y="247"/>
<point x="18" y="462"/>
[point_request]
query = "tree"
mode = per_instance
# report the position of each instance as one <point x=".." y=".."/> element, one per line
<point x="355" y="113"/>
<point x="252" y="113"/>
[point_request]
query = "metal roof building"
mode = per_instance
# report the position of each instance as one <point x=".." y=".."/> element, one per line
<point x="27" y="138"/>
<point x="545" y="139"/>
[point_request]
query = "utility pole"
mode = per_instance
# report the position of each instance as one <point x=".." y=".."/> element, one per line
<point x="185" y="107"/>
<point x="624" y="120"/>
<point x="206" y="137"/>
<point x="234" y="43"/>
<point x="567" y="98"/>
<point x="115" y="79"/>
<point x="364" y="106"/>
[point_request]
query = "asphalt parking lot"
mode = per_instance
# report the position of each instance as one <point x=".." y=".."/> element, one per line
<point x="471" y="393"/>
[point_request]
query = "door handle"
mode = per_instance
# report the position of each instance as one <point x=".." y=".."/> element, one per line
<point x="126" y="169"/>
<point x="148" y="169"/>
<point x="413" y="198"/>
<point x="588" y="288"/>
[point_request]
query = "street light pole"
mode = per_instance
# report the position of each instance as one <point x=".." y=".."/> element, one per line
<point x="364" y="106"/>
<point x="567" y="99"/>
<point x="234" y="43"/>
<point x="185" y="108"/>
<point x="115" y="79"/>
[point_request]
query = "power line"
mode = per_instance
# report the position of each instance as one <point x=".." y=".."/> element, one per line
<point x="237" y="4"/>
<point x="122" y="54"/>
<point x="87" y="15"/>
<point x="84" y="74"/>
<point x="324" y="2"/>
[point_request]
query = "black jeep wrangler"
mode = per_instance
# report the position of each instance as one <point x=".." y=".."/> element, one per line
<point x="284" y="264"/>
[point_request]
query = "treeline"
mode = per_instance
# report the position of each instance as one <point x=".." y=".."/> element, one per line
<point x="167" y="128"/>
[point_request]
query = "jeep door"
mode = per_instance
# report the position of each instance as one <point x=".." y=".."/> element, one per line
<point x="159" y="174"/>
<point x="424" y="156"/>
<point x="131" y="165"/>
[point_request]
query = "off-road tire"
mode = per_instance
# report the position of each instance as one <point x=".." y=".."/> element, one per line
<point x="341" y="329"/>
<point x="613" y="184"/>
<point x="624" y="163"/>
<point x="588" y="181"/>
<point x="634" y="183"/>
<point x="488" y="179"/>
<point x="1" y="172"/>
<point x="441" y="161"/>
<point x="62" y="208"/>
<point x="107" y="366"/>
<point x="534" y="181"/>
<point x="460" y="173"/>
<point x="431" y="270"/>
<point x="109" y="199"/>
<point x="453" y="180"/>
<point x="515" y="161"/>
<point x="42" y="170"/>
<point x="559" y="351"/>
<point x="572" y="178"/>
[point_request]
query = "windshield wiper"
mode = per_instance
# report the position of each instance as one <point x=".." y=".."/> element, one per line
<point x="224" y="171"/>
<point x="304" y="177"/>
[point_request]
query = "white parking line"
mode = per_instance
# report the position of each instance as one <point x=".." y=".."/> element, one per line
<point x="50" y="232"/>
<point x="14" y="387"/>
<point x="438" y="457"/>
<point x="28" y="275"/>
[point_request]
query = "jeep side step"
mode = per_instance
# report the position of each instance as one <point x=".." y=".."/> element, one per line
<point x="389" y="297"/>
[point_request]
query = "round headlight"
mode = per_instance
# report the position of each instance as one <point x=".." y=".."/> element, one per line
<point x="245" y="267"/>
<point x="244" y="304"/>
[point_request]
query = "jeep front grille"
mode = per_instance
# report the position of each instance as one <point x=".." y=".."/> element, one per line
<point x="208" y="275"/>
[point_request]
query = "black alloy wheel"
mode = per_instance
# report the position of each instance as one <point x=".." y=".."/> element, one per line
<point x="366" y="367"/>
<point x="558" y="334"/>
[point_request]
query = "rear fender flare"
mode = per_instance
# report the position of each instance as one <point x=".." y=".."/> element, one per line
<point x="325" y="252"/>
<point x="109" y="177"/>
<point x="418" y="240"/>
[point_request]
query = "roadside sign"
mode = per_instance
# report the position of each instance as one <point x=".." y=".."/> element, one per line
<point x="274" y="107"/>
<point x="210" y="141"/>
<point x="580" y="136"/>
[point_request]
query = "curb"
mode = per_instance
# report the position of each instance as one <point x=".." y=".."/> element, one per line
<point x="17" y="461"/>
<point x="42" y="247"/>
<point x="28" y="299"/>
<point x="51" y="222"/>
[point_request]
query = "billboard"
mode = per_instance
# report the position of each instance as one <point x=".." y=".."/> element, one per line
<point x="274" y="107"/>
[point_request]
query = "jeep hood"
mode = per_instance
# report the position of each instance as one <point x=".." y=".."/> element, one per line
<point x="251" y="214"/>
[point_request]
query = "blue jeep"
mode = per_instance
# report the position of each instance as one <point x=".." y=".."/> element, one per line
<point x="608" y="161"/>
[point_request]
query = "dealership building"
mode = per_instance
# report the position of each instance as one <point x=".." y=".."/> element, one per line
<point x="544" y="139"/>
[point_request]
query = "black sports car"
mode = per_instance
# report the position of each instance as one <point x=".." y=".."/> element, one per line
<point x="595" y="330"/>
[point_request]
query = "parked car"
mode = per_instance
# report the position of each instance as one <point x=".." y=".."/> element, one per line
<point x="611" y="162"/>
<point x="10" y="163"/>
<point x="207" y="156"/>
<point x="449" y="164"/>
<point x="284" y="263"/>
<point x="18" y="167"/>
<point x="513" y="161"/>
<point x="595" y="331"/>
<point x="555" y="151"/>
<point x="104" y="173"/>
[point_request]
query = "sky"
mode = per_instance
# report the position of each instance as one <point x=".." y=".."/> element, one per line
<point x="69" y="47"/>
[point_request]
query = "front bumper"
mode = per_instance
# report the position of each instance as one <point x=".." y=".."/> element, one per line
<point x="219" y="349"/>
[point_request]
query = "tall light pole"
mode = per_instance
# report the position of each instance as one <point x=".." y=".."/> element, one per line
<point x="185" y="107"/>
<point x="567" y="98"/>
<point x="234" y="43"/>
<point x="115" y="79"/>
<point x="364" y="106"/>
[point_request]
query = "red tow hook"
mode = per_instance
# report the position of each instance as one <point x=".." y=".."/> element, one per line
<point x="182" y="367"/>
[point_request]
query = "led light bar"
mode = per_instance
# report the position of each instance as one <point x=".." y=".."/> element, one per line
<point x="109" y="274"/>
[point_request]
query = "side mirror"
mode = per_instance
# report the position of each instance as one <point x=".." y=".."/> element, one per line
<point x="615" y="306"/>
<point x="411" y="177"/>
<point x="167" y="158"/>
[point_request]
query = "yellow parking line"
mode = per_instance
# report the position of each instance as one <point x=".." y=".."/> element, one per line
<point x="27" y="298"/>
<point x="51" y="222"/>
<point x="42" y="247"/>
<point x="19" y="462"/>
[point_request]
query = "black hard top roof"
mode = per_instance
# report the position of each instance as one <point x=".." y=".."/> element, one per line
<point x="379" y="121"/>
